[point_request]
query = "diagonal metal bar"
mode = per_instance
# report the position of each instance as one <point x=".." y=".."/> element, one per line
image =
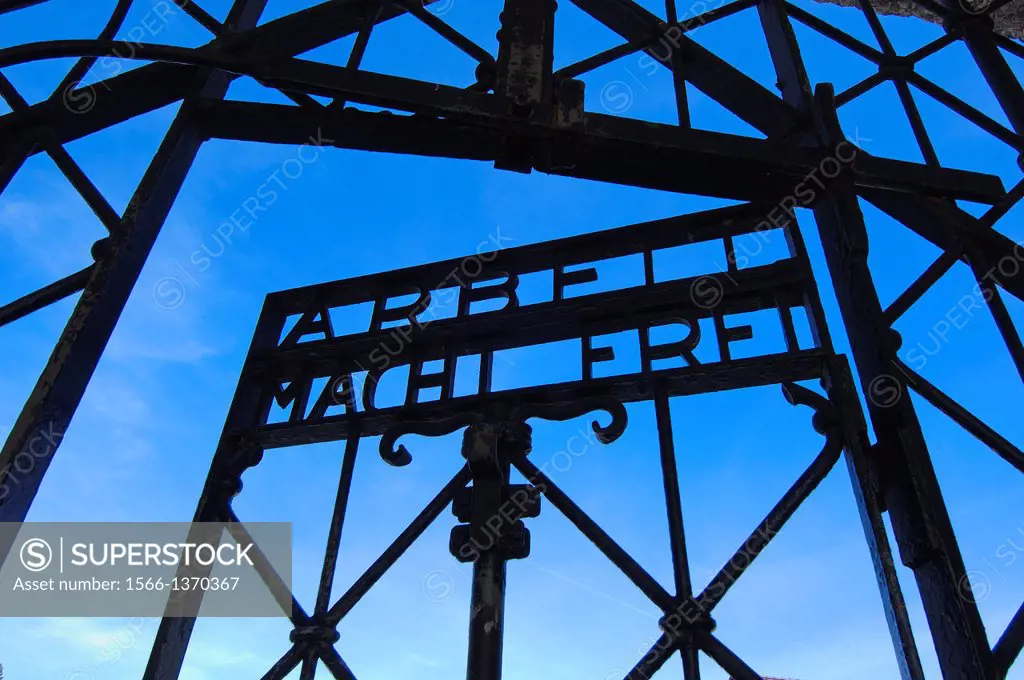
<point x="868" y="10"/>
<point x="12" y="5"/>
<point x="1000" y="77"/>
<point x="219" y="30"/>
<point x="726" y="658"/>
<point x="397" y="548"/>
<point x="355" y="56"/>
<point x="966" y="111"/>
<point x="82" y="66"/>
<point x="1001" y="315"/>
<point x="600" y="59"/>
<point x="443" y="29"/>
<point x="654" y="659"/>
<point x="13" y="156"/>
<point x="924" y="142"/>
<point x="967" y="420"/>
<point x="920" y="521"/>
<point x="62" y="384"/>
<point x="771" y="524"/>
<point x="1010" y="643"/>
<point x="999" y="210"/>
<point x="275" y="584"/>
<point x="935" y="271"/>
<point x="608" y="56"/>
<point x="952" y="229"/>
<point x="45" y="296"/>
<point x="612" y="550"/>
<point x="903" y="91"/>
<point x="836" y="35"/>
<point x="1011" y="46"/>
<point x="728" y="86"/>
<point x="861" y="88"/>
<point x="339" y="669"/>
<point x="67" y="165"/>
<point x="203" y="17"/>
<point x="931" y="48"/>
<point x="285" y="665"/>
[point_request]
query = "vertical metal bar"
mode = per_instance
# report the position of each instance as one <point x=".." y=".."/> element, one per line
<point x="524" y="72"/>
<point x="60" y="388"/>
<point x="837" y="216"/>
<point x="862" y="463"/>
<point x="785" y="52"/>
<point x="674" y="508"/>
<point x="526" y="54"/>
<point x="920" y="521"/>
<point x="247" y="409"/>
<point x="487" y="617"/>
<point x="309" y="660"/>
<point x="820" y="334"/>
<point x="348" y="464"/>
<point x="488" y="449"/>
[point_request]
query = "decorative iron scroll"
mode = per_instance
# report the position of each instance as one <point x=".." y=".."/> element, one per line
<point x="427" y="318"/>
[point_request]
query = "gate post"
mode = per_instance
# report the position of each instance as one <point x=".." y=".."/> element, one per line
<point x="494" y="534"/>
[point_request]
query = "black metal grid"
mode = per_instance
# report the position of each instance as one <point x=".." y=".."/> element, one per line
<point x="522" y="116"/>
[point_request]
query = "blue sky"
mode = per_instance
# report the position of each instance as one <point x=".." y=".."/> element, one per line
<point x="140" y="445"/>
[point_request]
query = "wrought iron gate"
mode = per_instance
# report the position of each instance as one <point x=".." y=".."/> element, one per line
<point x="442" y="326"/>
<point x="521" y="114"/>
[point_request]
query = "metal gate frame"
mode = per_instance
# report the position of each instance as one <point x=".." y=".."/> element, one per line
<point x="523" y="116"/>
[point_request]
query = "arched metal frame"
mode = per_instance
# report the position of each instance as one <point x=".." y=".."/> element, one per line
<point x="521" y="115"/>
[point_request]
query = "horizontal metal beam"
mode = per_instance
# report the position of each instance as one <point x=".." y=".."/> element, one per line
<point x="632" y="239"/>
<point x="607" y="148"/>
<point x="767" y="370"/>
<point x="780" y="284"/>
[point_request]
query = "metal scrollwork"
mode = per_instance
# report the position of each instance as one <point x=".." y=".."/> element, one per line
<point x="399" y="455"/>
<point x="562" y="411"/>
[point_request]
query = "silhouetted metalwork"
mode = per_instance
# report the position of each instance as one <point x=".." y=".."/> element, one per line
<point x="523" y="115"/>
